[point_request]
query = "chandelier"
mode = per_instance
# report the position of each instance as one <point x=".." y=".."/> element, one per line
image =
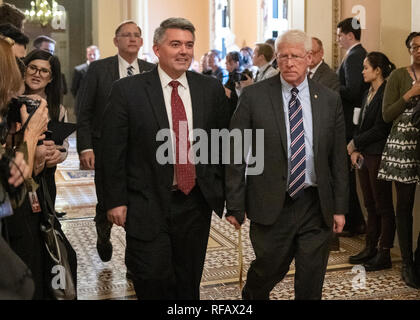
<point x="43" y="12"/>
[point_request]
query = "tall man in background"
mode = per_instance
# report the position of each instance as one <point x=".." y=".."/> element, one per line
<point x="91" y="102"/>
<point x="352" y="87"/>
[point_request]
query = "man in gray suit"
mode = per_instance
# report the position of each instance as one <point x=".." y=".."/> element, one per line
<point x="91" y="102"/>
<point x="301" y="197"/>
<point x="319" y="71"/>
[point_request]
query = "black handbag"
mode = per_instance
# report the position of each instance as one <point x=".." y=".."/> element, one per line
<point x="61" y="261"/>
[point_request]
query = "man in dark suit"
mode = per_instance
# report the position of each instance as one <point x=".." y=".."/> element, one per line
<point x="92" y="54"/>
<point x="91" y="102"/>
<point x="319" y="71"/>
<point x="165" y="207"/>
<point x="352" y="89"/>
<point x="301" y="197"/>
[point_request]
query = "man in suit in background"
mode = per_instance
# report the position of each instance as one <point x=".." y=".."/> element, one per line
<point x="261" y="58"/>
<point x="301" y="197"/>
<point x="92" y="54"/>
<point x="352" y="87"/>
<point x="165" y="207"/>
<point x="214" y="59"/>
<point x="91" y="102"/>
<point x="319" y="71"/>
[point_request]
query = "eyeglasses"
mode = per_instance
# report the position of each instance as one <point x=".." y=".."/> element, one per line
<point x="10" y="41"/>
<point x="130" y="35"/>
<point x="43" y="72"/>
<point x="414" y="49"/>
<point x="293" y="57"/>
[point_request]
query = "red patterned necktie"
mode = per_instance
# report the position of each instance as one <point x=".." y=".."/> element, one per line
<point x="184" y="169"/>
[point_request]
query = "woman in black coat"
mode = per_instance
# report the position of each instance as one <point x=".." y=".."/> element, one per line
<point x="366" y="150"/>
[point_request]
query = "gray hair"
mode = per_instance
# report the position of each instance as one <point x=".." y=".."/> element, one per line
<point x="172" y="23"/>
<point x="295" y="37"/>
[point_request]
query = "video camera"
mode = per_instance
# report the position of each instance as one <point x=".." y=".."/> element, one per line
<point x="13" y="113"/>
<point x="241" y="76"/>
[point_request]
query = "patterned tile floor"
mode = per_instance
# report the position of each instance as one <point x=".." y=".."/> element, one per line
<point x="100" y="281"/>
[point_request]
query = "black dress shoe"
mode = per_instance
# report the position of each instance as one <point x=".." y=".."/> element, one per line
<point x="409" y="276"/>
<point x="381" y="261"/>
<point x="365" y="255"/>
<point x="60" y="214"/>
<point x="104" y="250"/>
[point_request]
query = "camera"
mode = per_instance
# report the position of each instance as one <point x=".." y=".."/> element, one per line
<point x="13" y="113"/>
<point x="241" y="76"/>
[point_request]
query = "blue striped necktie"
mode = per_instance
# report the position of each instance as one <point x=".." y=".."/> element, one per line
<point x="297" y="138"/>
<point x="130" y="71"/>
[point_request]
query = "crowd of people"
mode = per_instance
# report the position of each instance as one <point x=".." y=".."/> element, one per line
<point x="321" y="128"/>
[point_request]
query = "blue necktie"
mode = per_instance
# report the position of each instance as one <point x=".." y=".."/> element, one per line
<point x="297" y="138"/>
<point x="130" y="71"/>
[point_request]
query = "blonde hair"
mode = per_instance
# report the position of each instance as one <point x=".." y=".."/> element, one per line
<point x="10" y="76"/>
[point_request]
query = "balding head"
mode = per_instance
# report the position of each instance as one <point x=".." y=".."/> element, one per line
<point x="317" y="52"/>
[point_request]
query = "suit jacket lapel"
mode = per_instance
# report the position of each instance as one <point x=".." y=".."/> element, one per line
<point x="114" y="69"/>
<point x="316" y="116"/>
<point x="277" y="104"/>
<point x="197" y="95"/>
<point x="157" y="101"/>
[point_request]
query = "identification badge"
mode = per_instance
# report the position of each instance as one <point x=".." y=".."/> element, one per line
<point x="33" y="199"/>
<point x="6" y="208"/>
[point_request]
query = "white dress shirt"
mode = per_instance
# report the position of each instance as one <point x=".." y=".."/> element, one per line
<point x="304" y="97"/>
<point x="185" y="95"/>
<point x="123" y="66"/>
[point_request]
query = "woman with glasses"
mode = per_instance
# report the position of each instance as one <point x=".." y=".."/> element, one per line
<point x="399" y="160"/>
<point x="43" y="78"/>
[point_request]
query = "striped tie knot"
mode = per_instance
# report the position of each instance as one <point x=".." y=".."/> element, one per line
<point x="295" y="92"/>
<point x="130" y="70"/>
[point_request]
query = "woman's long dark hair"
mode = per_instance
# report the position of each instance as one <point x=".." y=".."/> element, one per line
<point x="381" y="61"/>
<point x="53" y="89"/>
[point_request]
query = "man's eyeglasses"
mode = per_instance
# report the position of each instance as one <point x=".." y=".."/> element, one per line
<point x="130" y="35"/>
<point x="293" y="57"/>
<point x="43" y="72"/>
<point x="414" y="48"/>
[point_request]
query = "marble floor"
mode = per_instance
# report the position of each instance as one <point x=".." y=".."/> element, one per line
<point x="107" y="281"/>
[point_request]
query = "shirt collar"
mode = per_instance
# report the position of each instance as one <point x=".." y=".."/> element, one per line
<point x="124" y="64"/>
<point x="288" y="87"/>
<point x="353" y="46"/>
<point x="316" y="67"/>
<point x="166" y="79"/>
<point x="264" y="67"/>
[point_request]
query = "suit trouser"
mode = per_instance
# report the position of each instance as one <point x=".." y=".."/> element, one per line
<point x="103" y="226"/>
<point x="170" y="266"/>
<point x="377" y="195"/>
<point x="299" y="233"/>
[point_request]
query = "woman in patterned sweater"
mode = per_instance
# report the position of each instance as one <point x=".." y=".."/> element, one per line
<point x="399" y="161"/>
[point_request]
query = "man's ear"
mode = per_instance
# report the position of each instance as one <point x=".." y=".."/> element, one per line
<point x="156" y="50"/>
<point x="116" y="42"/>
